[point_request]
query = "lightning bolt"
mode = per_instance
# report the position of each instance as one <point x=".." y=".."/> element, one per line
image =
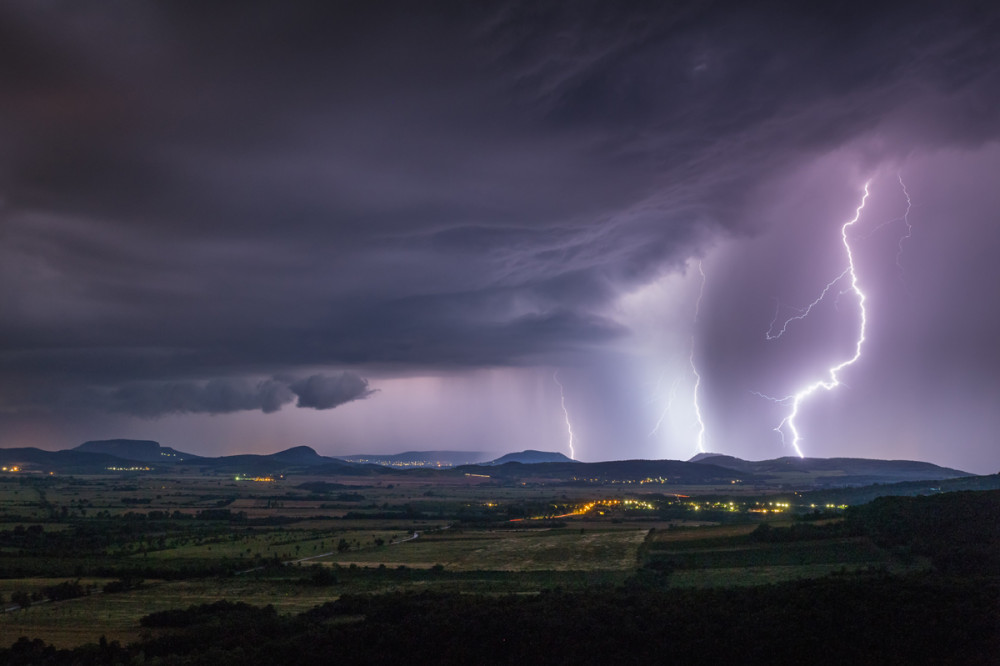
<point x="804" y="312"/>
<point x="569" y="426"/>
<point x="670" y="401"/>
<point x="694" y="367"/>
<point x="694" y="371"/>
<point x="909" y="230"/>
<point x="833" y="381"/>
<point x="905" y="236"/>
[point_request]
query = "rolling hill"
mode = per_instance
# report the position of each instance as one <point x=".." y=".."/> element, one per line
<point x="141" y="456"/>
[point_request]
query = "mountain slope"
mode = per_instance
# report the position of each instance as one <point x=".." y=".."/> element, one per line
<point x="144" y="450"/>
<point x="835" y="471"/>
<point x="664" y="471"/>
<point x="532" y="457"/>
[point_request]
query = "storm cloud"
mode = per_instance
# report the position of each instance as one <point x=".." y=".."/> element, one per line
<point x="216" y="396"/>
<point x="224" y="396"/>
<point x="325" y="392"/>
<point x="196" y="195"/>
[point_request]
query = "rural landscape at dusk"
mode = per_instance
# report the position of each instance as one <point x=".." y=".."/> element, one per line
<point x="500" y="332"/>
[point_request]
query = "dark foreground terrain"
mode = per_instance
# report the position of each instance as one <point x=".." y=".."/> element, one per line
<point x="855" y="619"/>
<point x="900" y="580"/>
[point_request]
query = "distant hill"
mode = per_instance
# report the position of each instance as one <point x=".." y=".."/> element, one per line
<point x="798" y="474"/>
<point x="623" y="471"/>
<point x="129" y="454"/>
<point x="30" y="459"/>
<point x="702" y="456"/>
<point x="532" y="457"/>
<point x="296" y="460"/>
<point x="832" y="472"/>
<point x="142" y="450"/>
<point x="301" y="455"/>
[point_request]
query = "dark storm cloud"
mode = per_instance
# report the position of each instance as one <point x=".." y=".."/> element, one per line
<point x="326" y="392"/>
<point x="193" y="194"/>
<point x="152" y="399"/>
<point x="213" y="397"/>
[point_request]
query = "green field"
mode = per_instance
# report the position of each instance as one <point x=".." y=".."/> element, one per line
<point x="179" y="541"/>
<point x="75" y="621"/>
<point x="509" y="550"/>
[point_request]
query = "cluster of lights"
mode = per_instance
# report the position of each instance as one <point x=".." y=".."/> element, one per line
<point x="717" y="506"/>
<point x="259" y="479"/>
<point x="730" y="506"/>
<point x="626" y="503"/>
<point x="12" y="468"/>
<point x="770" y="507"/>
<point x="756" y="507"/>
<point x="648" y="479"/>
<point x="584" y="509"/>
<point x="384" y="462"/>
<point x="129" y="469"/>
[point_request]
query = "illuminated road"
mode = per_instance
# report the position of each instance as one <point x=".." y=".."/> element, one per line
<point x="586" y="508"/>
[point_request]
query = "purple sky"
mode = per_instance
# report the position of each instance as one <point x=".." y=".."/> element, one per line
<point x="365" y="227"/>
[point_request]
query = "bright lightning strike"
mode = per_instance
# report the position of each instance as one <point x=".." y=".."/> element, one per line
<point x="834" y="371"/>
<point x="569" y="426"/>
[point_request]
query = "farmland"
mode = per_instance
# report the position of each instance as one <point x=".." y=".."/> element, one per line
<point x="122" y="547"/>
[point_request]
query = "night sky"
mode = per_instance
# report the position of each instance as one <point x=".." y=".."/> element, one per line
<point x="377" y="227"/>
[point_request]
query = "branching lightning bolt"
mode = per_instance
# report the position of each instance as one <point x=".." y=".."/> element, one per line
<point x="694" y="368"/>
<point x="834" y="379"/>
<point x="562" y="399"/>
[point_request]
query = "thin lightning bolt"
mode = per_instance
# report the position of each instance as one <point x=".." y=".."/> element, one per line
<point x="569" y="426"/>
<point x="905" y="219"/>
<point x="658" y="390"/>
<point x="834" y="379"/>
<point x="694" y="368"/>
<point x="909" y="229"/>
<point x="670" y="401"/>
<point x="771" y="335"/>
